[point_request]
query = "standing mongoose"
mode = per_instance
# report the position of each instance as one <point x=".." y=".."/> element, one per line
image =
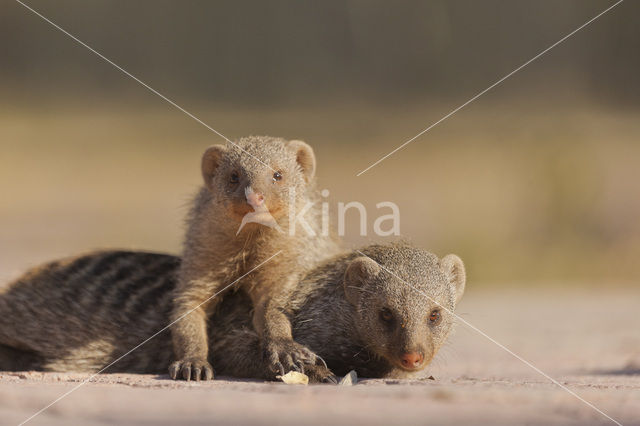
<point x="383" y="313"/>
<point x="269" y="181"/>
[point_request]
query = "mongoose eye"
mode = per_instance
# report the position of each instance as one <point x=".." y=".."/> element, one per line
<point x="435" y="317"/>
<point x="234" y="178"/>
<point x="386" y="315"/>
<point x="277" y="176"/>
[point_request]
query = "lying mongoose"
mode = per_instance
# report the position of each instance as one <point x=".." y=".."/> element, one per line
<point x="240" y="224"/>
<point x="383" y="313"/>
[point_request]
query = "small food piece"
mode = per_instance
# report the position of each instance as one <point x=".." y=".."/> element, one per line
<point x="350" y="379"/>
<point x="294" y="378"/>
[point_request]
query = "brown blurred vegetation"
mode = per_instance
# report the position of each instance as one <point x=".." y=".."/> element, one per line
<point x="537" y="181"/>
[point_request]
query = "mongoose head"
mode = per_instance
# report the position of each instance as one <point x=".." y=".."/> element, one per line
<point x="258" y="174"/>
<point x="404" y="300"/>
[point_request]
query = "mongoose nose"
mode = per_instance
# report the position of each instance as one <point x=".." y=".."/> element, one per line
<point x="255" y="198"/>
<point x="412" y="359"/>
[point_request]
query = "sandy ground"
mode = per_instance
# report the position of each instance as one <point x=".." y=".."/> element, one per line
<point x="588" y="342"/>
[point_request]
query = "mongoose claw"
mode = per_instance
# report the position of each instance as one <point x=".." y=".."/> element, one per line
<point x="331" y="379"/>
<point x="191" y="368"/>
<point x="283" y="356"/>
<point x="320" y="374"/>
<point x="324" y="364"/>
<point x="279" y="368"/>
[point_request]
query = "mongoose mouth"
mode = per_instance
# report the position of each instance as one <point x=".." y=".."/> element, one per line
<point x="398" y="364"/>
<point x="240" y="210"/>
<point x="410" y="369"/>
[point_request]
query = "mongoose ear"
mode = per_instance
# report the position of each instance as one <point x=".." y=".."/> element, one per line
<point x="305" y="158"/>
<point x="358" y="272"/>
<point x="210" y="162"/>
<point x="453" y="268"/>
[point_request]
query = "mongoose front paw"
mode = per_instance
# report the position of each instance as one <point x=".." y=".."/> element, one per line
<point x="286" y="355"/>
<point x="191" y="368"/>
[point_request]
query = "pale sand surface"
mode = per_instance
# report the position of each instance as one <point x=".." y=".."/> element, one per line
<point x="588" y="342"/>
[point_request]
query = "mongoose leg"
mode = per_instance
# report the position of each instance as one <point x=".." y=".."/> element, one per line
<point x="280" y="352"/>
<point x="190" y="340"/>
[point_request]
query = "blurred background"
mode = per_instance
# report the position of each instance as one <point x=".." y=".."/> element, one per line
<point x="536" y="182"/>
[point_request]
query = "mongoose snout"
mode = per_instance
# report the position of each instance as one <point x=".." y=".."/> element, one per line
<point x="412" y="360"/>
<point x="255" y="199"/>
<point x="408" y="347"/>
<point x="252" y="202"/>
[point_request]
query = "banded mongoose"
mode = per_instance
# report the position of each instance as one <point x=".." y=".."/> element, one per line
<point x="270" y="180"/>
<point x="384" y="314"/>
